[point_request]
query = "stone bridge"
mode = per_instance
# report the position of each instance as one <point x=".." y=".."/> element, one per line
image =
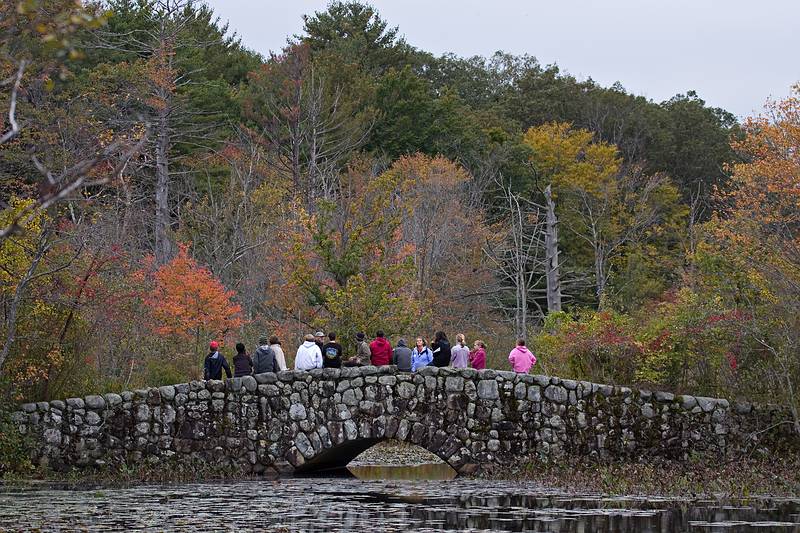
<point x="302" y="421"/>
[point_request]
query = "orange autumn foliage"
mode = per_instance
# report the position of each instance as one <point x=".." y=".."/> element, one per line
<point x="188" y="302"/>
<point x="766" y="188"/>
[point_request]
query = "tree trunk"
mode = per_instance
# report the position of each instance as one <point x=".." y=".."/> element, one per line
<point x="600" y="274"/>
<point x="522" y="306"/>
<point x="163" y="246"/>
<point x="551" y="255"/>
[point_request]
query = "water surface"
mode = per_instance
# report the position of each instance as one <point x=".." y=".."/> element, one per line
<point x="339" y="504"/>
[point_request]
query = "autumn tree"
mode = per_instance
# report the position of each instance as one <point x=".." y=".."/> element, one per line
<point x="237" y="227"/>
<point x="759" y="233"/>
<point x="187" y="302"/>
<point x="177" y="46"/>
<point x="38" y="42"/>
<point x="446" y="227"/>
<point x="612" y="210"/>
<point x="347" y="267"/>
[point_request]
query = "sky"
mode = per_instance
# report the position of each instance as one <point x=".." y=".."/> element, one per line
<point x="735" y="53"/>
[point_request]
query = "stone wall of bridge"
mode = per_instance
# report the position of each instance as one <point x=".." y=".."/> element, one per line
<point x="296" y="420"/>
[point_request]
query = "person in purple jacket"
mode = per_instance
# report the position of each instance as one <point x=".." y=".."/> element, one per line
<point x="459" y="354"/>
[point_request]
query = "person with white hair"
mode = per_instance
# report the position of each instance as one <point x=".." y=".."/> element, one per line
<point x="308" y="355"/>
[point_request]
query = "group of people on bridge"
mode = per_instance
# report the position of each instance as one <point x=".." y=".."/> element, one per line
<point x="324" y="351"/>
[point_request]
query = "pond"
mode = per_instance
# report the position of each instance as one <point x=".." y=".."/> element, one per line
<point x="348" y="504"/>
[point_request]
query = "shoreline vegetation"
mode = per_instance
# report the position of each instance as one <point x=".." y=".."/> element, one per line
<point x="740" y="478"/>
<point x="748" y="478"/>
<point x="775" y="476"/>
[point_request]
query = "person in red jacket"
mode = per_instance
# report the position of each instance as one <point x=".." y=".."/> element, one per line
<point x="380" y="350"/>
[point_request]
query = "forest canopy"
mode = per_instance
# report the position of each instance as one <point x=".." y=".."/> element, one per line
<point x="162" y="185"/>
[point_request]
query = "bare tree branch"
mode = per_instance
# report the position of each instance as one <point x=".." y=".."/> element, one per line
<point x="12" y="106"/>
<point x="73" y="178"/>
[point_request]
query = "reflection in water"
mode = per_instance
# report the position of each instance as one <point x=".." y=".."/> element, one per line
<point x="323" y="504"/>
<point x="434" y="471"/>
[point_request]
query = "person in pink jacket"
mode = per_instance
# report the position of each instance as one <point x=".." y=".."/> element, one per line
<point x="477" y="357"/>
<point x="521" y="359"/>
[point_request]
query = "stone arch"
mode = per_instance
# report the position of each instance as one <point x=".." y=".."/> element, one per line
<point x="341" y="448"/>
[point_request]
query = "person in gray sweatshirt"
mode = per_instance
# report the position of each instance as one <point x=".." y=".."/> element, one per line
<point x="401" y="356"/>
<point x="264" y="358"/>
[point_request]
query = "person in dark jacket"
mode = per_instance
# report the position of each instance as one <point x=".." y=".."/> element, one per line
<point x="332" y="353"/>
<point x="380" y="350"/>
<point x="401" y="356"/>
<point x="441" y="349"/>
<point x="242" y="363"/>
<point x="264" y="359"/>
<point x="214" y="363"/>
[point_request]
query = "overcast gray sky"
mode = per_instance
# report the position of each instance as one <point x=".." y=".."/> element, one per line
<point x="734" y="53"/>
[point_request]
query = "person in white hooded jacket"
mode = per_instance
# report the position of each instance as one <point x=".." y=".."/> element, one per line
<point x="308" y="355"/>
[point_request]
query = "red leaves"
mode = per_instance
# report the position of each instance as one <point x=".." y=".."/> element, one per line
<point x="187" y="301"/>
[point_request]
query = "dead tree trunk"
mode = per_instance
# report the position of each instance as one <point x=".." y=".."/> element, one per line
<point x="163" y="245"/>
<point x="551" y="255"/>
<point x="517" y="256"/>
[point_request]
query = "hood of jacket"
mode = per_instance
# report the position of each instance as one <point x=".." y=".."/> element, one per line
<point x="309" y="344"/>
<point x="381" y="341"/>
<point x="521" y="359"/>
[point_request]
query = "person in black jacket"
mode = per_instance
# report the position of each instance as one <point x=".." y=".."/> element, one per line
<point x="242" y="363"/>
<point x="214" y="363"/>
<point x="441" y="349"/>
<point x="332" y="353"/>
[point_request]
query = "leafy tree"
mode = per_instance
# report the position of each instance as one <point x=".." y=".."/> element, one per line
<point x="347" y="268"/>
<point x="355" y="33"/>
<point x="186" y="57"/>
<point x="695" y="149"/>
<point x="188" y="303"/>
<point x="406" y="107"/>
<point x="613" y="213"/>
<point x="759" y="234"/>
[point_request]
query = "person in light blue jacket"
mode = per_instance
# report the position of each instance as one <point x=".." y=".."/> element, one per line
<point x="421" y="355"/>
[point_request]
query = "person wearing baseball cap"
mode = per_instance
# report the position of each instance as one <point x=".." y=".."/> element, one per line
<point x="215" y="362"/>
<point x="319" y="339"/>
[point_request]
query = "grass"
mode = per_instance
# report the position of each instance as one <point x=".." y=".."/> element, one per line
<point x="124" y="474"/>
<point x="698" y="477"/>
